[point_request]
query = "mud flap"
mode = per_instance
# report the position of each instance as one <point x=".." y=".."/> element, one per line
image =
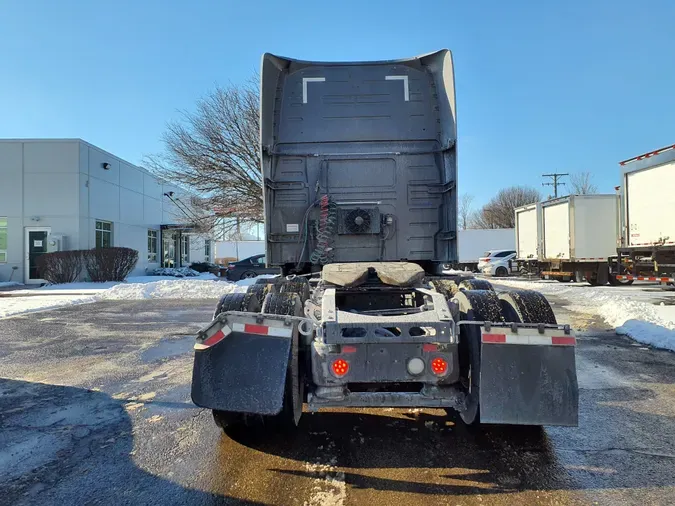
<point x="529" y="384"/>
<point x="244" y="372"/>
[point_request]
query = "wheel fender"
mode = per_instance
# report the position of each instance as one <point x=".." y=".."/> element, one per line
<point x="244" y="373"/>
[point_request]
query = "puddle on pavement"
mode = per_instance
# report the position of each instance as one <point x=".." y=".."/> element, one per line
<point x="168" y="347"/>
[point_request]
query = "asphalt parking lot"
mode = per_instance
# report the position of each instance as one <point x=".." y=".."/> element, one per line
<point x="95" y="409"/>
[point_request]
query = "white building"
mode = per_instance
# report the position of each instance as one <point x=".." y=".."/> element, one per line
<point x="67" y="194"/>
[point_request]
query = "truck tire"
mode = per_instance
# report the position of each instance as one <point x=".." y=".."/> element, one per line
<point x="299" y="287"/>
<point x="471" y="415"/>
<point x="249" y="303"/>
<point x="266" y="281"/>
<point x="475" y="284"/>
<point x="619" y="282"/>
<point x="592" y="278"/>
<point x="528" y="305"/>
<point x="246" y="302"/>
<point x="474" y="305"/>
<point x="291" y="411"/>
<point x="260" y="291"/>
<point x="294" y="393"/>
<point x="446" y="287"/>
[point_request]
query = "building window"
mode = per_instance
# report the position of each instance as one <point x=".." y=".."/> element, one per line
<point x="185" y="250"/>
<point x="207" y="250"/>
<point x="3" y="240"/>
<point x="152" y="246"/>
<point x="104" y="231"/>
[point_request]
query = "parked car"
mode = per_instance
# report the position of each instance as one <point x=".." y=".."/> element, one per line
<point x="249" y="268"/>
<point x="497" y="262"/>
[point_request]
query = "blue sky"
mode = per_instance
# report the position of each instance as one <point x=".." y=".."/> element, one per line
<point x="541" y="86"/>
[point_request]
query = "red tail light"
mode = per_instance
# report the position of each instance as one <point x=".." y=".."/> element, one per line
<point x="340" y="367"/>
<point x="439" y="366"/>
<point x="230" y="266"/>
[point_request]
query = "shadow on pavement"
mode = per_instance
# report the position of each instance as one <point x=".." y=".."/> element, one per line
<point x="67" y="445"/>
<point x="452" y="458"/>
<point x="617" y="446"/>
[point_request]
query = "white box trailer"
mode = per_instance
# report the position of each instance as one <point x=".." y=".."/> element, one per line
<point x="579" y="235"/>
<point x="528" y="237"/>
<point x="473" y="243"/>
<point x="647" y="240"/>
<point x="528" y="231"/>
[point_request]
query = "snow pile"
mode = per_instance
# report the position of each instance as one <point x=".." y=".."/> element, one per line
<point x="170" y="289"/>
<point x="8" y="284"/>
<point x="176" y="272"/>
<point x="10" y="306"/>
<point x="252" y="281"/>
<point x="619" y="307"/>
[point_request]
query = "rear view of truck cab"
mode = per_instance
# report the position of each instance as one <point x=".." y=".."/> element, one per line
<point x="359" y="165"/>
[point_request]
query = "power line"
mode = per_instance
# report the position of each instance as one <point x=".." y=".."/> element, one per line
<point x="555" y="183"/>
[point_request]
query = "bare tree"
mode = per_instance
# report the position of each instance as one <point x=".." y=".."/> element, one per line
<point x="464" y="210"/>
<point x="214" y="152"/>
<point x="581" y="184"/>
<point x="499" y="211"/>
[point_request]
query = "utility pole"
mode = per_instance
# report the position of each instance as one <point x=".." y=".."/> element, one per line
<point x="555" y="176"/>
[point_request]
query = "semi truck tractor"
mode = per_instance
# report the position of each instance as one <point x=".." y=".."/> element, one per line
<point x="359" y="163"/>
<point x="646" y="249"/>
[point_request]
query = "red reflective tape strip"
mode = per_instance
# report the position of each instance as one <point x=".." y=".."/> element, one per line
<point x="494" y="338"/>
<point x="249" y="328"/>
<point x="349" y="349"/>
<point x="568" y="341"/>
<point x="652" y="279"/>
<point x="429" y="347"/>
<point x="214" y="338"/>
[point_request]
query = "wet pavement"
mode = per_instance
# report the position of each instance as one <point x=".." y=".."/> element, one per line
<point x="95" y="409"/>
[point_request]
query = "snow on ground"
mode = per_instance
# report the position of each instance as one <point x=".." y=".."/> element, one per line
<point x="170" y="289"/>
<point x="10" y="306"/>
<point x="205" y="286"/>
<point x="8" y="284"/>
<point x="251" y="281"/>
<point x="635" y="311"/>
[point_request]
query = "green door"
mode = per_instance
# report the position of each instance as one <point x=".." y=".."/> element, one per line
<point x="37" y="245"/>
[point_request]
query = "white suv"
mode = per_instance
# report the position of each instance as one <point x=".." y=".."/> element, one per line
<point x="497" y="262"/>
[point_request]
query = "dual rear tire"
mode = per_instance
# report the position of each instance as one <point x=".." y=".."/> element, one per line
<point x="518" y="306"/>
<point x="288" y="303"/>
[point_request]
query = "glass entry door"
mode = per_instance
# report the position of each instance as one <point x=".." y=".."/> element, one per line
<point x="170" y="249"/>
<point x="36" y="245"/>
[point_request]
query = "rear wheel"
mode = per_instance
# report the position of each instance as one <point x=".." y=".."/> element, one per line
<point x="294" y="393"/>
<point x="299" y="286"/>
<point x="291" y="410"/>
<point x="501" y="272"/>
<point x="249" y="303"/>
<point x="248" y="275"/>
<point x="266" y="281"/>
<point x="246" y="302"/>
<point x="528" y="305"/>
<point x="592" y="278"/>
<point x="474" y="305"/>
<point x="470" y="334"/>
<point x="476" y="284"/>
<point x="619" y="282"/>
